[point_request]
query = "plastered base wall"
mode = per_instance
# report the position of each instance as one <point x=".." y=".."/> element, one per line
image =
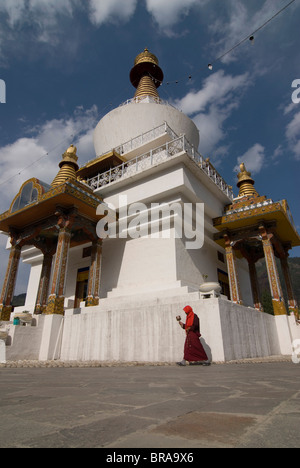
<point x="151" y="333"/>
<point x="147" y="331"/>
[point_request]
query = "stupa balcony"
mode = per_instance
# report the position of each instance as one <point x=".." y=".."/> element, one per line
<point x="163" y="154"/>
<point x="146" y="141"/>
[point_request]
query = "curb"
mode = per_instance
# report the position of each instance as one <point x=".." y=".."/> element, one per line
<point x="84" y="364"/>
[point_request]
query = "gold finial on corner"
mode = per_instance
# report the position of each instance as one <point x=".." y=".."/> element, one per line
<point x="245" y="183"/>
<point x="71" y="153"/>
<point x="68" y="166"/>
<point x="72" y="149"/>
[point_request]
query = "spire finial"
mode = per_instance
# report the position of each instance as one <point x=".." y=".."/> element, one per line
<point x="146" y="75"/>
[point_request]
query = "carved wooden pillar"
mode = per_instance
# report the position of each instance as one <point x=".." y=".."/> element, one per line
<point x="254" y="285"/>
<point x="234" y="285"/>
<point x="293" y="306"/>
<point x="42" y="296"/>
<point x="275" y="286"/>
<point x="10" y="282"/>
<point x="95" y="272"/>
<point x="56" y="298"/>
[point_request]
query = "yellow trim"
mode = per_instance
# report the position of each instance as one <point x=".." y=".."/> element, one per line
<point x="68" y="194"/>
<point x="146" y="56"/>
<point x="248" y="218"/>
<point x="102" y="158"/>
<point x="87" y="169"/>
<point x="146" y="87"/>
<point x="83" y="275"/>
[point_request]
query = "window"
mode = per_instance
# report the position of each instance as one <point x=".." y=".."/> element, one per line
<point x="221" y="257"/>
<point x="224" y="282"/>
<point x="28" y="195"/>
<point x="86" y="252"/>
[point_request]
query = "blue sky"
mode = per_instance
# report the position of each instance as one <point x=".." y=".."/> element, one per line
<point x="66" y="63"/>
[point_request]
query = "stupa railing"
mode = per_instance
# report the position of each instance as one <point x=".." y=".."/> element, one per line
<point x="145" y="99"/>
<point x="157" y="156"/>
<point x="145" y="138"/>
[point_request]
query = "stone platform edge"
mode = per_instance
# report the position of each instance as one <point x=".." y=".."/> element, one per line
<point x="83" y="364"/>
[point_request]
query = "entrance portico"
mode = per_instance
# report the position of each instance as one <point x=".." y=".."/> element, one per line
<point x="53" y="219"/>
<point x="255" y="227"/>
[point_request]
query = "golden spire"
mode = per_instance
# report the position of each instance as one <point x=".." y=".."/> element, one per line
<point x="68" y="167"/>
<point x="246" y="183"/>
<point x="146" y="75"/>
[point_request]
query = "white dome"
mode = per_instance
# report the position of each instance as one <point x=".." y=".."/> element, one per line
<point x="131" y="120"/>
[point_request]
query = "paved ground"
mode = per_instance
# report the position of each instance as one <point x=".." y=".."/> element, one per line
<point x="134" y="406"/>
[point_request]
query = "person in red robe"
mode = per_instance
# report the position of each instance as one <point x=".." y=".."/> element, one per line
<point x="194" y="352"/>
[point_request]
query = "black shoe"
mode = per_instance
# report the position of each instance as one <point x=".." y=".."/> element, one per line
<point x="199" y="363"/>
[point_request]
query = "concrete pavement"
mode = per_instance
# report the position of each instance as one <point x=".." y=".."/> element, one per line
<point x="246" y="404"/>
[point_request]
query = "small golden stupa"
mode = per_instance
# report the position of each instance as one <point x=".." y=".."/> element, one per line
<point x="246" y="183"/>
<point x="68" y="167"/>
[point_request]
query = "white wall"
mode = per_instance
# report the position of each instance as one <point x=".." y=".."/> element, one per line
<point x="244" y="281"/>
<point x="33" y="286"/>
<point x="134" y="266"/>
<point x="149" y="332"/>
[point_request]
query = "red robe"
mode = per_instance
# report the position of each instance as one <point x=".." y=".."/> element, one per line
<point x="193" y="349"/>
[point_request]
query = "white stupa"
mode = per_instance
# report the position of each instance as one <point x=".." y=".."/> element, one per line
<point x="120" y="296"/>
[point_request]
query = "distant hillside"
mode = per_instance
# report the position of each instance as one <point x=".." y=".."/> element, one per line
<point x="294" y="265"/>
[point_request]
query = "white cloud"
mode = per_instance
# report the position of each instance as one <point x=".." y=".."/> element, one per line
<point x="238" y="21"/>
<point x="227" y="33"/>
<point x="289" y="108"/>
<point x="293" y="128"/>
<point x="292" y="134"/>
<point x="45" y="12"/>
<point x="167" y="13"/>
<point x="217" y="89"/>
<point x="253" y="159"/>
<point x="14" y="9"/>
<point x="211" y="129"/>
<point x="102" y="11"/>
<point x="278" y="153"/>
<point x="41" y="20"/>
<point x="212" y="105"/>
<point x="27" y="157"/>
<point x="51" y="22"/>
<point x="42" y="11"/>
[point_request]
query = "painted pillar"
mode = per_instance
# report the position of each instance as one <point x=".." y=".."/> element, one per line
<point x="293" y="306"/>
<point x="95" y="273"/>
<point x="10" y="283"/>
<point x="56" y="298"/>
<point x="254" y="285"/>
<point x="275" y="287"/>
<point x="42" y="296"/>
<point x="234" y="285"/>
